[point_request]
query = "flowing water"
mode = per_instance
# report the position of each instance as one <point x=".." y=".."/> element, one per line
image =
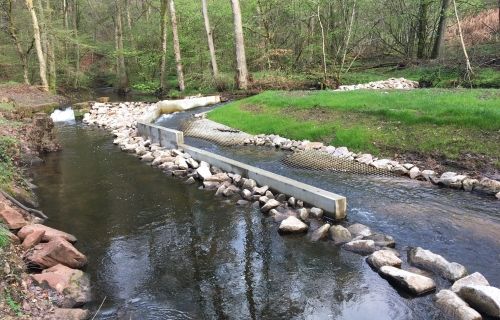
<point x="161" y="249"/>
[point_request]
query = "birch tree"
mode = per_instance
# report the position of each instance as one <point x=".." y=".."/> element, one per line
<point x="38" y="45"/>
<point x="177" y="48"/>
<point x="12" y="31"/>
<point x="239" y="43"/>
<point x="163" y="30"/>
<point x="120" y="58"/>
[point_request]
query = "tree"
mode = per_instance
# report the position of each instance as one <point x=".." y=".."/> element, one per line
<point x="210" y="39"/>
<point x="38" y="45"/>
<point x="120" y="58"/>
<point x="163" y="31"/>
<point x="439" y="40"/>
<point x="177" y="47"/>
<point x="239" y="43"/>
<point x="422" y="28"/>
<point x="468" y="67"/>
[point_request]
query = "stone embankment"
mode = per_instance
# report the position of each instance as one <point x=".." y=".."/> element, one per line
<point x="55" y="288"/>
<point x="418" y="274"/>
<point x="392" y="83"/>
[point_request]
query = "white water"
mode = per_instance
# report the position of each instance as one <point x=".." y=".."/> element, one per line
<point x="67" y="115"/>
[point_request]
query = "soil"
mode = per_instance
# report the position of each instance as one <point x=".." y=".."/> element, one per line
<point x="26" y="96"/>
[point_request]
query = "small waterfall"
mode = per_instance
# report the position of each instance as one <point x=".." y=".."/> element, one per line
<point x="66" y="115"/>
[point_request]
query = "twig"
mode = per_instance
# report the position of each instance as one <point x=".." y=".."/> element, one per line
<point x="98" y="309"/>
<point x="37" y="213"/>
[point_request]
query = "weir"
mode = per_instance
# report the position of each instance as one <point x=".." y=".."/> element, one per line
<point x="334" y="205"/>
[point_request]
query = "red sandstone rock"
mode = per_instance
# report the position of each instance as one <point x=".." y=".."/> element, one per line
<point x="12" y="218"/>
<point x="58" y="250"/>
<point x="69" y="314"/>
<point x="72" y="283"/>
<point x="33" y="239"/>
<point x="49" y="235"/>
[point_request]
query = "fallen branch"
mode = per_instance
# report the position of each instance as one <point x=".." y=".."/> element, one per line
<point x="35" y="212"/>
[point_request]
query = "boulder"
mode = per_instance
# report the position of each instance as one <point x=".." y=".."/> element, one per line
<point x="249" y="184"/>
<point x="365" y="158"/>
<point x="33" y="239"/>
<point x="321" y="233"/>
<point x="473" y="279"/>
<point x="231" y="190"/>
<point x="192" y="163"/>
<point x="148" y="157"/>
<point x="292" y="225"/>
<point x="262" y="190"/>
<point x="271" y="204"/>
<point x="220" y="190"/>
<point x="381" y="240"/>
<point x="203" y="171"/>
<point x="428" y="260"/>
<point x="454" y="307"/>
<point x="56" y="251"/>
<point x="361" y="246"/>
<point x="12" y="218"/>
<point x="303" y="214"/>
<point x="69" y="314"/>
<point x="262" y="199"/>
<point x="469" y="184"/>
<point x="488" y="186"/>
<point x="291" y="202"/>
<point x="49" y="235"/>
<point x="428" y="174"/>
<point x="414" y="173"/>
<point x="211" y="185"/>
<point x="218" y="177"/>
<point x="73" y="284"/>
<point x="381" y="258"/>
<point x="316" y="212"/>
<point x="339" y="234"/>
<point x="485" y="299"/>
<point x="359" y="229"/>
<point x="411" y="282"/>
<point x="269" y="194"/>
<point x="190" y="180"/>
<point x="246" y="194"/>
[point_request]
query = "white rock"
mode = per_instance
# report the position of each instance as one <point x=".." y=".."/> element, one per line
<point x="382" y="258"/>
<point x="428" y="260"/>
<point x="361" y="246"/>
<point x="359" y="229"/>
<point x="365" y="158"/>
<point x="454" y="307"/>
<point x="427" y="174"/>
<point x="485" y="299"/>
<point x="412" y="282"/>
<point x="316" y="212"/>
<point x="262" y="190"/>
<point x="292" y="225"/>
<point x="414" y="172"/>
<point x="271" y="204"/>
<point x="473" y="279"/>
<point x="339" y="234"/>
<point x="204" y="172"/>
<point x="320" y="233"/>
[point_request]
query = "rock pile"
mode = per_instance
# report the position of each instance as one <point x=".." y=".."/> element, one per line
<point x="392" y="83"/>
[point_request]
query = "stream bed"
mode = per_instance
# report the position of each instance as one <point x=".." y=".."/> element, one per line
<point x="161" y="249"/>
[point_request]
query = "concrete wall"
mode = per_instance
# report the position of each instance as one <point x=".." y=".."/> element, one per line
<point x="167" y="138"/>
<point x="334" y="205"/>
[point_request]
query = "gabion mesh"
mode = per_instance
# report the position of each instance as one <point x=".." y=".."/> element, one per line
<point x="309" y="159"/>
<point x="214" y="132"/>
<point x="323" y="161"/>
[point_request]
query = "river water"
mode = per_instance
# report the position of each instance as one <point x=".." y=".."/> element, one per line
<point x="160" y="249"/>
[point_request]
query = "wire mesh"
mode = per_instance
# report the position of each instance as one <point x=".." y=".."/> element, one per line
<point x="214" y="132"/>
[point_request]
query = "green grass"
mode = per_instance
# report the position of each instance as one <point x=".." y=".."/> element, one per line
<point x="4" y="239"/>
<point x="438" y="121"/>
<point x="8" y="148"/>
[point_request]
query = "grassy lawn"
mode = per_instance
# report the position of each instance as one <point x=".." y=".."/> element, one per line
<point x="438" y="122"/>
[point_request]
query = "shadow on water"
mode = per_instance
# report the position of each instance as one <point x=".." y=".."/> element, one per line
<point x="160" y="249"/>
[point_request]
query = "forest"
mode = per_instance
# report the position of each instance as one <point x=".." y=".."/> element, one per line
<point x="171" y="46"/>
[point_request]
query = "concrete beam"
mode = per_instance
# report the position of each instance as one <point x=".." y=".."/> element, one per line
<point x="334" y="205"/>
<point x="167" y="138"/>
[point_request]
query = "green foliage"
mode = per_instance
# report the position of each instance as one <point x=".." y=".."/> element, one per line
<point x="449" y="122"/>
<point x="13" y="305"/>
<point x="4" y="239"/>
<point x="6" y="106"/>
<point x="8" y="148"/>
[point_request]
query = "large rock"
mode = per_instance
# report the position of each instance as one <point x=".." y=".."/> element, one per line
<point x="12" y="218"/>
<point x="473" y="279"/>
<point x="316" y="212"/>
<point x="72" y="283"/>
<point x="361" y="246"/>
<point x="454" y="307"/>
<point x="485" y="299"/>
<point x="339" y="234"/>
<point x="271" y="204"/>
<point x="249" y="184"/>
<point x="219" y="178"/>
<point x="359" y="229"/>
<point x="320" y="233"/>
<point x="411" y="282"/>
<point x="381" y="258"/>
<point x="69" y="314"/>
<point x="33" y="239"/>
<point x="488" y="186"/>
<point x="292" y="225"/>
<point x="262" y="190"/>
<point x="203" y="171"/>
<point x="56" y="251"/>
<point x="428" y="260"/>
<point x="50" y="233"/>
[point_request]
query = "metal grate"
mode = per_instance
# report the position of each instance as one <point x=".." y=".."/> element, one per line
<point x="214" y="132"/>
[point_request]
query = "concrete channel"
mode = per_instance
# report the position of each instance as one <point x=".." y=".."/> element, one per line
<point x="334" y="205"/>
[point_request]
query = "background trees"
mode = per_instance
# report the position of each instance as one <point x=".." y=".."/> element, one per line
<point x="125" y="43"/>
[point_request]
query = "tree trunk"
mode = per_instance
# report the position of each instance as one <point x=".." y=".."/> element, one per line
<point x="422" y="28"/>
<point x="439" y="41"/>
<point x="468" y="67"/>
<point x="163" y="17"/>
<point x="323" y="47"/>
<point x="19" y="49"/>
<point x="77" y="44"/>
<point x="241" y="61"/>
<point x="51" y="57"/>
<point x="38" y="45"/>
<point x="177" y="48"/>
<point x="210" y="39"/>
<point x="121" y="69"/>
